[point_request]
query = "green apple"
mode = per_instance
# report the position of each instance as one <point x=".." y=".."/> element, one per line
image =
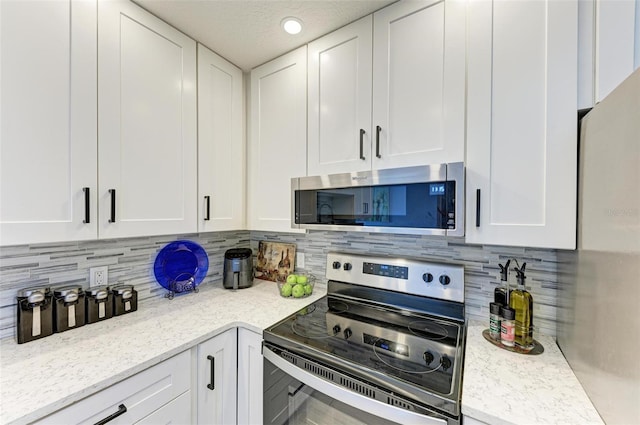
<point x="292" y="279"/>
<point x="301" y="279"/>
<point x="308" y="289"/>
<point x="297" y="291"/>
<point x="286" y="290"/>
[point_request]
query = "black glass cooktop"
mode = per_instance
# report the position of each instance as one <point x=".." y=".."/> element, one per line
<point x="413" y="348"/>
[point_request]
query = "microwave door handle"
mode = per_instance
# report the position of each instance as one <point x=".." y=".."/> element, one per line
<point x="349" y="397"/>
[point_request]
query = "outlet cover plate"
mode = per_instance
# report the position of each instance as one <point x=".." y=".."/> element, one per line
<point x="98" y="276"/>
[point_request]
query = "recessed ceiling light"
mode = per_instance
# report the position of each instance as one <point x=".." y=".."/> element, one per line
<point x="291" y="25"/>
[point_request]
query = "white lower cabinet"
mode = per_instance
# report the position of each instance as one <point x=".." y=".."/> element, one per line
<point x="162" y="391"/>
<point x="250" y="369"/>
<point x="217" y="382"/>
<point x="177" y="411"/>
<point x="216" y="379"/>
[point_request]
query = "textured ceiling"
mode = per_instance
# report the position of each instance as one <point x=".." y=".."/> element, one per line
<point x="247" y="32"/>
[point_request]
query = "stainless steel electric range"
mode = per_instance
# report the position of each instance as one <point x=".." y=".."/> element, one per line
<point x="385" y="345"/>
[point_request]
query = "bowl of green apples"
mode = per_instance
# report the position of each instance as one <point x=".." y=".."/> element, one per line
<point x="298" y="285"/>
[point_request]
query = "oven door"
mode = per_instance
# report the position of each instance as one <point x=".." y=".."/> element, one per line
<point x="294" y="396"/>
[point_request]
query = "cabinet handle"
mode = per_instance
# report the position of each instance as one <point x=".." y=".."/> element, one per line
<point x="87" y="213"/>
<point x="207" y="200"/>
<point x="362" y="144"/>
<point x="378" y="130"/>
<point x="365" y="207"/>
<point x="211" y="385"/>
<point x="122" y="409"/>
<point x="113" y="205"/>
<point x="477" y="207"/>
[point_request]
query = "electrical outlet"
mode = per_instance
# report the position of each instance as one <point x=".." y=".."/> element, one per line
<point x="98" y="276"/>
<point x="300" y="260"/>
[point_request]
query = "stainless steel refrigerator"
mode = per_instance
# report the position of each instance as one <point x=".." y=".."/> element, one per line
<point x="599" y="283"/>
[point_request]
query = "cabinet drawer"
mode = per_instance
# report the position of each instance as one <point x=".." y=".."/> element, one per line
<point x="142" y="394"/>
<point x="177" y="411"/>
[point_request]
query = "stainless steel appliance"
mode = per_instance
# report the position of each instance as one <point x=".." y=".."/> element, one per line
<point x="238" y="268"/>
<point x="385" y="345"/>
<point x="599" y="288"/>
<point x="427" y="200"/>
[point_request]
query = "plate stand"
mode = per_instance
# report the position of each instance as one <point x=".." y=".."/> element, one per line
<point x="183" y="283"/>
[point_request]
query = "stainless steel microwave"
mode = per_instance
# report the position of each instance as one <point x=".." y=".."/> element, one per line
<point x="425" y="200"/>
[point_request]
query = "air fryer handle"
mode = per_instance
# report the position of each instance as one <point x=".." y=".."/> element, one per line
<point x="236" y="280"/>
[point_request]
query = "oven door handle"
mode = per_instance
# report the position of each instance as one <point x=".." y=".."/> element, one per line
<point x="361" y="402"/>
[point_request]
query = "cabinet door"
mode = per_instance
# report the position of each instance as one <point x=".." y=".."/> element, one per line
<point x="48" y="121"/>
<point x="419" y="83"/>
<point x="609" y="46"/>
<point x="339" y="137"/>
<point x="278" y="142"/>
<point x="146" y="124"/>
<point x="217" y="363"/>
<point x="521" y="124"/>
<point x="221" y="149"/>
<point x="250" y="366"/>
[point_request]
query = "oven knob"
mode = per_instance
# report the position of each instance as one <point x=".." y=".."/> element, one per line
<point x="347" y="333"/>
<point x="427" y="277"/>
<point x="445" y="362"/>
<point x="346" y="266"/>
<point x="445" y="280"/>
<point x="336" y="265"/>
<point x="336" y="329"/>
<point x="428" y="357"/>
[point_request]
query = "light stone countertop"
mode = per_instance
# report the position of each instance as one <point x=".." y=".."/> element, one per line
<point x="503" y="387"/>
<point x="43" y="376"/>
<point x="40" y="377"/>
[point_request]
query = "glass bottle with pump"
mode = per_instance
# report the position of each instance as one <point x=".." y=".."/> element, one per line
<point x="522" y="302"/>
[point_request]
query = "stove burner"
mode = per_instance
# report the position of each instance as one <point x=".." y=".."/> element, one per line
<point x="416" y="371"/>
<point x="338" y="306"/>
<point x="428" y="329"/>
<point x="307" y="310"/>
<point x="305" y="332"/>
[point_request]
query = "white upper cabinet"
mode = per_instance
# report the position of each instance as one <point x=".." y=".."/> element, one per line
<point x="521" y="123"/>
<point x="147" y="146"/>
<point x="609" y="46"/>
<point x="419" y="83"/>
<point x="221" y="148"/>
<point x="388" y="90"/>
<point x="340" y="73"/>
<point x="277" y="142"/>
<point x="48" y="121"/>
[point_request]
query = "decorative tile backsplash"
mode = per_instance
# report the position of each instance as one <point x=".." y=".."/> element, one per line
<point x="131" y="261"/>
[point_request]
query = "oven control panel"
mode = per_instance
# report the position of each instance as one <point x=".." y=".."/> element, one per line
<point x="413" y="276"/>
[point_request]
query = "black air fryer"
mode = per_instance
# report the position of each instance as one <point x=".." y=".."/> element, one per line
<point x="238" y="268"/>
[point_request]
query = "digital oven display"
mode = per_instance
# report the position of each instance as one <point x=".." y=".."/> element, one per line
<point x="398" y="272"/>
<point x="387" y="345"/>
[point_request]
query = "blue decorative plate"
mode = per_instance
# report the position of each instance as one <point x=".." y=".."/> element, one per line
<point x="181" y="266"/>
